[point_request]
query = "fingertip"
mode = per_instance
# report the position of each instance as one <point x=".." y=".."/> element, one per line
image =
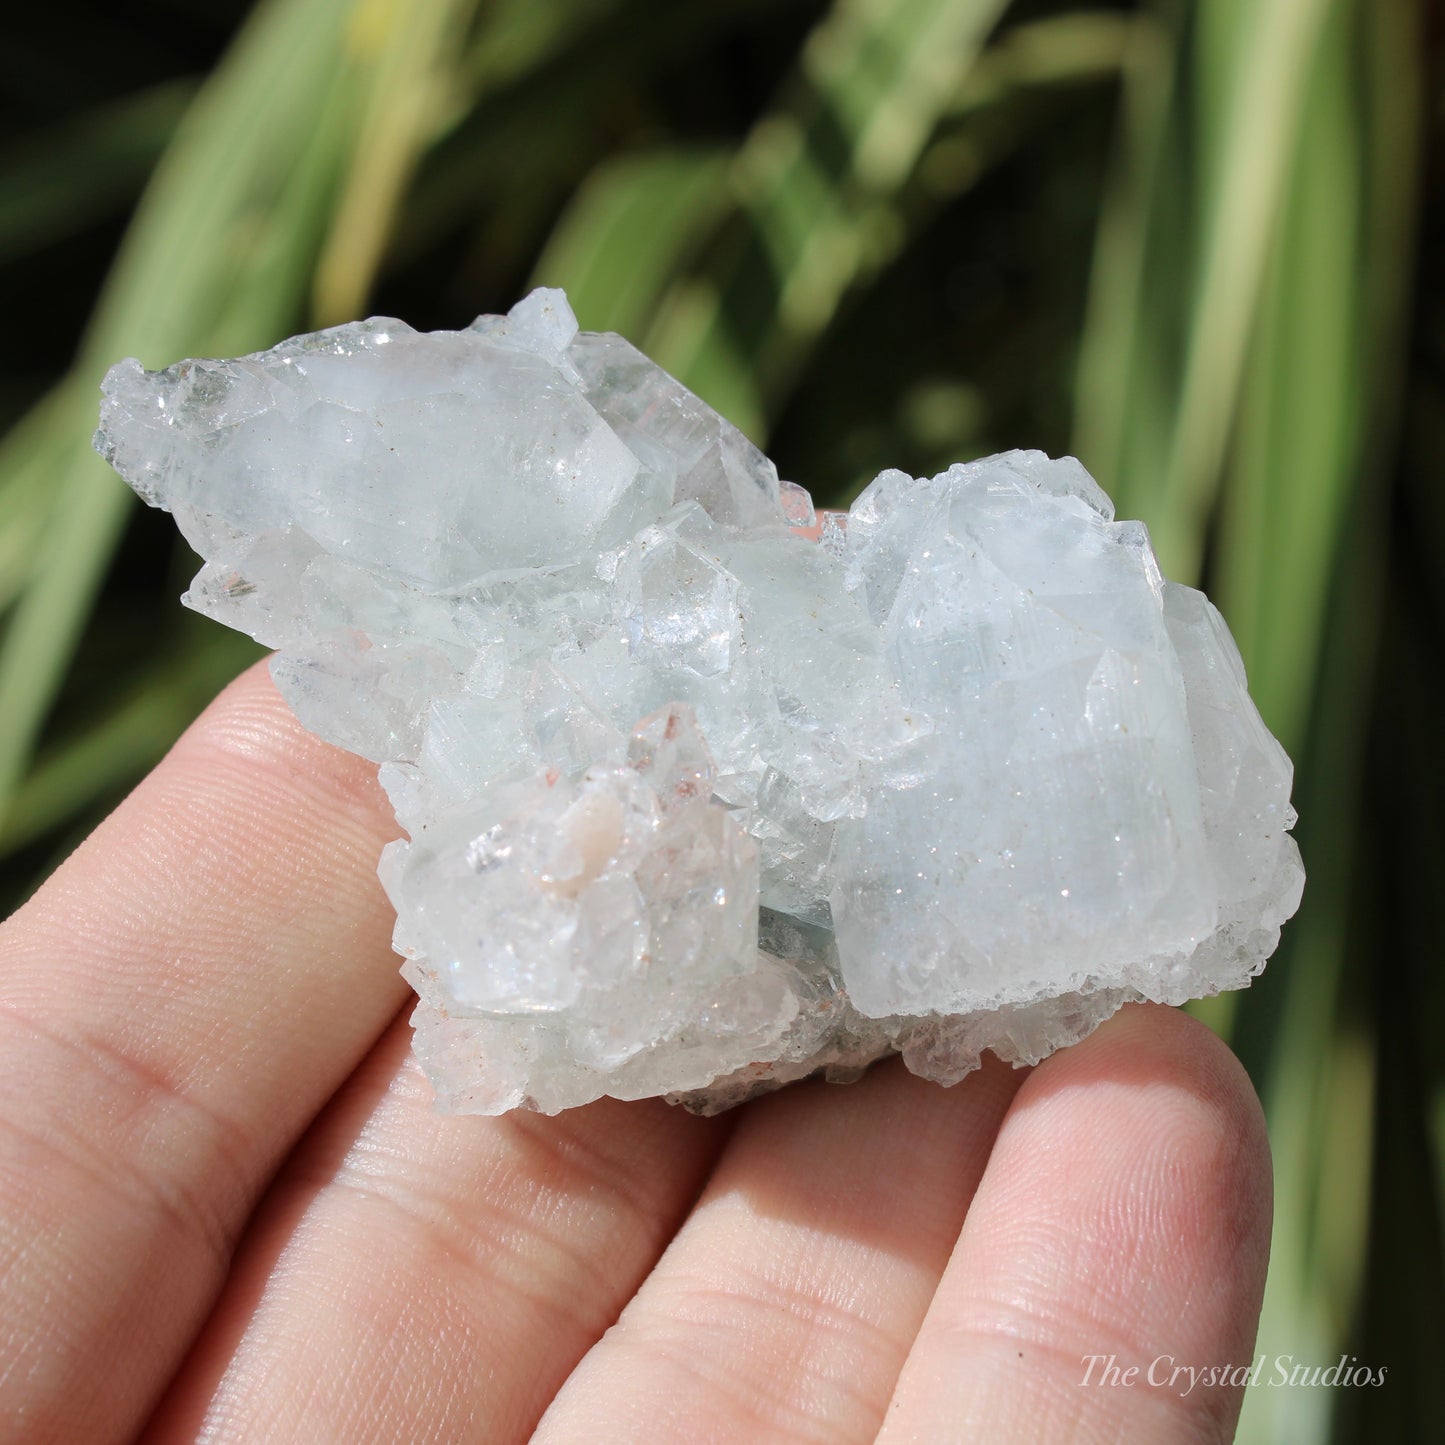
<point x="249" y="726"/>
<point x="1151" y="1039"/>
<point x="1124" y="1216"/>
<point x="1161" y="1084"/>
<point x="1150" y="1140"/>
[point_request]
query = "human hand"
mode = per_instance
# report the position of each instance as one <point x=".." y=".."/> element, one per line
<point x="226" y="1207"/>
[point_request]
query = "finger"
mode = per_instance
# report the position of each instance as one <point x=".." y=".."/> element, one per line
<point x="420" y="1278"/>
<point x="784" y="1308"/>
<point x="175" y="1004"/>
<point x="1125" y="1213"/>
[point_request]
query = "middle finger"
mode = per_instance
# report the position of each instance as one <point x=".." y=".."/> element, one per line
<point x="418" y="1277"/>
<point x="785" y="1307"/>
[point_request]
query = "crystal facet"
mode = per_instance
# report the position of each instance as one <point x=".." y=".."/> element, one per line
<point x="697" y="804"/>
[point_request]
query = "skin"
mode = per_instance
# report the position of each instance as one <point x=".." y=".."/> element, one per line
<point x="227" y="1211"/>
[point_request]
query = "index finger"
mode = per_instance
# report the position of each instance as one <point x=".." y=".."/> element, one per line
<point x="176" y="1004"/>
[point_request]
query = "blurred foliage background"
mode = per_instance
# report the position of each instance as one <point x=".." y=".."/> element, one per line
<point x="1192" y="241"/>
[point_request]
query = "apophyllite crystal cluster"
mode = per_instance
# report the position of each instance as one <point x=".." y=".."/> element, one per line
<point x="696" y="804"/>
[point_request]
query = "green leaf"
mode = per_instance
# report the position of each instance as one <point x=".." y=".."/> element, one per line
<point x="1117" y="392"/>
<point x="408" y="49"/>
<point x="817" y="180"/>
<point x="1273" y="53"/>
<point x="216" y="261"/>
<point x="631" y="230"/>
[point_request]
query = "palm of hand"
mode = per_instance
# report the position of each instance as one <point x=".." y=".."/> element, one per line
<point x="229" y="1211"/>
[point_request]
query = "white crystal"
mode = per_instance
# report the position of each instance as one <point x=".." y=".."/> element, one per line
<point x="696" y="804"/>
